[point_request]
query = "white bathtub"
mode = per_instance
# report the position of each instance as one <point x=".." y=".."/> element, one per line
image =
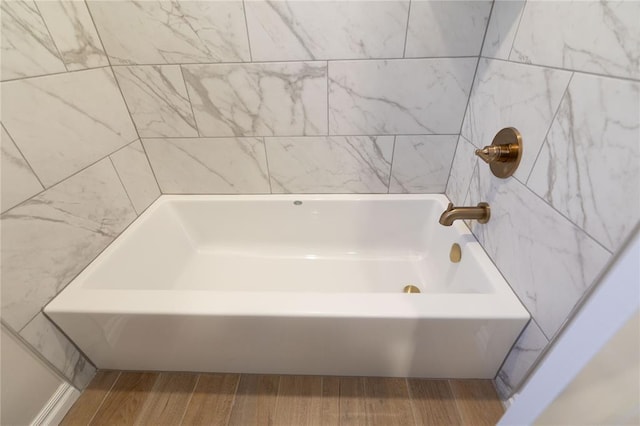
<point x="293" y="284"/>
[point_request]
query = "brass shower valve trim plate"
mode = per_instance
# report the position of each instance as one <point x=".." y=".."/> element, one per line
<point x="504" y="153"/>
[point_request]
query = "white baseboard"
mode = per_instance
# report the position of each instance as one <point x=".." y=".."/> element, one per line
<point x="56" y="408"/>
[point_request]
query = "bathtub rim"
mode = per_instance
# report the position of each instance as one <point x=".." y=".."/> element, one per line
<point x="501" y="303"/>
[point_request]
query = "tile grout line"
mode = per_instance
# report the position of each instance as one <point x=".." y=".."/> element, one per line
<point x="475" y="73"/>
<point x="393" y="155"/>
<point x="469" y="141"/>
<point x="104" y="398"/>
<point x="287" y="61"/>
<point x="515" y="36"/>
<point x="292" y="194"/>
<point x="515" y="342"/>
<point x="531" y="316"/>
<point x="406" y="32"/>
<point x="293" y="61"/>
<point x="572" y="70"/>
<point x="70" y="176"/>
<point x="135" y="127"/>
<point x="455" y="151"/>
<point x="564" y="216"/>
<point x="328" y="109"/>
<point x="153" y="172"/>
<point x="546" y="135"/>
<point x="64" y="64"/>
<point x="186" y="406"/>
<point x="563" y="327"/>
<point x="93" y="21"/>
<point x="31" y="77"/>
<point x="62" y="332"/>
<point x="471" y="90"/>
<point x="266" y="157"/>
<point x="595" y="74"/>
<point x="246" y="26"/>
<point x="73" y="278"/>
<point x="123" y="186"/>
<point x="31" y="349"/>
<point x="25" y="159"/>
<point x="193" y="114"/>
<point x="297" y="136"/>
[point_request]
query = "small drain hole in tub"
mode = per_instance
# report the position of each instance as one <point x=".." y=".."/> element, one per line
<point x="297" y="203"/>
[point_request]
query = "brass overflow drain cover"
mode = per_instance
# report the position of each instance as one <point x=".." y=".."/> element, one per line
<point x="456" y="253"/>
<point x="411" y="289"/>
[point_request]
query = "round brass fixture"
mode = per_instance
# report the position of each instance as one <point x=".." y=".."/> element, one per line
<point x="411" y="289"/>
<point x="456" y="253"/>
<point x="504" y="153"/>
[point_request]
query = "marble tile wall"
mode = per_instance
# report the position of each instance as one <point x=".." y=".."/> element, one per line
<point x="566" y="74"/>
<point x="312" y="84"/>
<point x="108" y="104"/>
<point x="74" y="173"/>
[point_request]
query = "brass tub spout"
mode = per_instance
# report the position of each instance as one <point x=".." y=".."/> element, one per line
<point x="481" y="213"/>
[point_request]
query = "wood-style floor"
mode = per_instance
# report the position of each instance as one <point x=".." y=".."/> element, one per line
<point x="127" y="398"/>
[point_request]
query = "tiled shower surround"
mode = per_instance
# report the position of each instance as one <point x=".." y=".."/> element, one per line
<point x="566" y="75"/>
<point x="107" y="104"/>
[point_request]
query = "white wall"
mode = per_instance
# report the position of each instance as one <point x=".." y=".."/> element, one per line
<point x="606" y="391"/>
<point x="27" y="383"/>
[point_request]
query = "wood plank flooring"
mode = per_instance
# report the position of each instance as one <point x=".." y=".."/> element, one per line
<point x="132" y="398"/>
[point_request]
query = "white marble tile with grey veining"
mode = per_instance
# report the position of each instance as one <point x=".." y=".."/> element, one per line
<point x="594" y="36"/>
<point x="18" y="180"/>
<point x="523" y="355"/>
<point x="171" y="31"/>
<point x="209" y="165"/>
<point x="49" y="239"/>
<point x="404" y="96"/>
<point x="326" y="30"/>
<point x="514" y="95"/>
<point x="589" y="165"/>
<point x="503" y="25"/>
<point x="269" y="99"/>
<point x="502" y="389"/>
<point x="80" y="118"/>
<point x="44" y="337"/>
<point x="27" y="47"/>
<point x="549" y="262"/>
<point x="446" y="28"/>
<point x="462" y="168"/>
<point x="334" y="164"/>
<point x="421" y="164"/>
<point x="136" y="175"/>
<point x="158" y="100"/>
<point x="74" y="34"/>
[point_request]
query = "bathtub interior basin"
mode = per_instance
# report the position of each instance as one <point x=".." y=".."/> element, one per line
<point x="293" y="284"/>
